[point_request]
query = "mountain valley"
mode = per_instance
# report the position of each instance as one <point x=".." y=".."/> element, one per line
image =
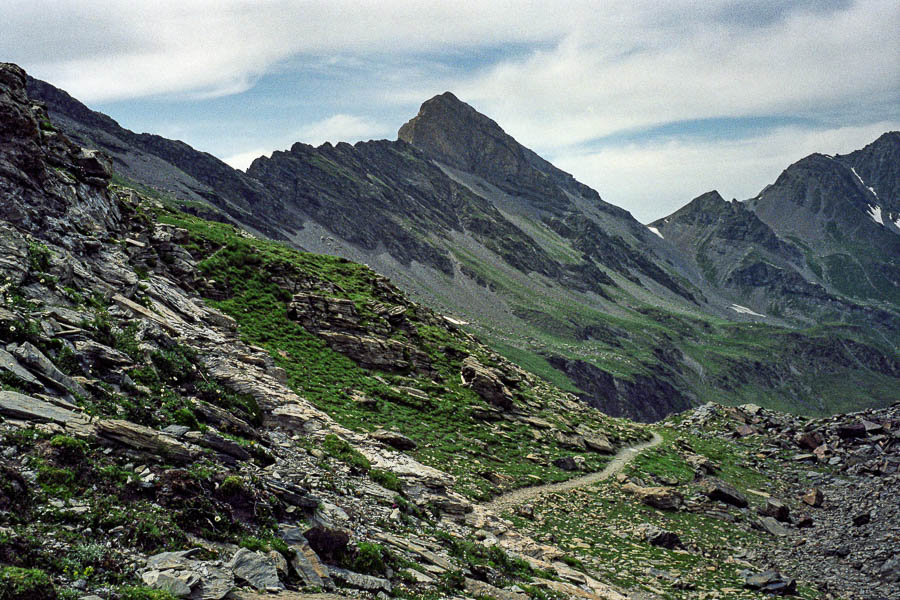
<point x="436" y="367"/>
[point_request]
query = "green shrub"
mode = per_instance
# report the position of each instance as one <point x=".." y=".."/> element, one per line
<point x="25" y="584"/>
<point x="143" y="593"/>
<point x="344" y="452"/>
<point x="386" y="479"/>
<point x="55" y="481"/>
<point x="370" y="559"/>
<point x="232" y="486"/>
<point x="39" y="257"/>
<point x="68" y="449"/>
<point x="185" y="416"/>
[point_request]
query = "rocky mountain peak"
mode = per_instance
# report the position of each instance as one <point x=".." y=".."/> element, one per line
<point x="452" y="132"/>
<point x="456" y="135"/>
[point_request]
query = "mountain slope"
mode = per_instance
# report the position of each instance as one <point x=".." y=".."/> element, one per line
<point x="471" y="223"/>
<point x="187" y="410"/>
<point x="822" y="203"/>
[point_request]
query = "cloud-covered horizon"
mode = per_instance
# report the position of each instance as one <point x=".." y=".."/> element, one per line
<point x="650" y="103"/>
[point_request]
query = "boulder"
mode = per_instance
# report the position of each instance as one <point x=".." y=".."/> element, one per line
<point x="394" y="439"/>
<point x="814" y="497"/>
<point x="360" y="581"/>
<point x="144" y="439"/>
<point x="37" y="363"/>
<point x="98" y="356"/>
<point x="256" y="568"/>
<point x="207" y="580"/>
<point x="771" y="582"/>
<point x="9" y="364"/>
<point x="716" y="489"/>
<point x="177" y="585"/>
<point x="776" y="509"/>
<point x="809" y="440"/>
<point x="770" y="525"/>
<point x="663" y="498"/>
<point x="305" y="561"/>
<point x="20" y="406"/>
<point x="486" y="383"/>
<point x="660" y="537"/>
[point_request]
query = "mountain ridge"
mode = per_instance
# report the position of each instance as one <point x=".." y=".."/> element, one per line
<point x="537" y="263"/>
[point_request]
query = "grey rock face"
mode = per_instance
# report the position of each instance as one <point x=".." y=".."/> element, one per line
<point x="256" y="568"/>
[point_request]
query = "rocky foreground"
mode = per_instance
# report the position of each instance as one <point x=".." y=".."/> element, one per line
<point x="190" y="412"/>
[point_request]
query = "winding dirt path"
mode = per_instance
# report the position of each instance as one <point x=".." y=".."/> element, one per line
<point x="622" y="458"/>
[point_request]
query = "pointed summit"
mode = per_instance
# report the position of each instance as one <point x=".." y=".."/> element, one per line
<point x="456" y="135"/>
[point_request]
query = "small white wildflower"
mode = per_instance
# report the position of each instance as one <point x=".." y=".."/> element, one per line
<point x="12" y="327"/>
<point x="42" y="280"/>
<point x="218" y="518"/>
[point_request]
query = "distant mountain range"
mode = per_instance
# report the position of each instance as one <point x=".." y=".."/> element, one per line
<point x="790" y="299"/>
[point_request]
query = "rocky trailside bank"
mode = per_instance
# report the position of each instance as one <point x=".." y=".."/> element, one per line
<point x="190" y="412"/>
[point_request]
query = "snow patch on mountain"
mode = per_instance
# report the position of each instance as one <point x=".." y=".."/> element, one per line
<point x="744" y="310"/>
<point x="875" y="213"/>
<point x="656" y="231"/>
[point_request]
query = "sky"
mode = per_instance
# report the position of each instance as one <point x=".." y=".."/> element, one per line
<point x="651" y="103"/>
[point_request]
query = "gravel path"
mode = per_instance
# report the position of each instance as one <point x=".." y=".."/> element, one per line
<point x="622" y="458"/>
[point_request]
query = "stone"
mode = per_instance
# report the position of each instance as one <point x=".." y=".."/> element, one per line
<point x="853" y="430"/>
<point x="20" y="406"/>
<point x="207" y="580"/>
<point x="776" y="509"/>
<point x="771" y="582"/>
<point x="9" y="363"/>
<point x="566" y="463"/>
<point x="809" y="440"/>
<point x="144" y="439"/>
<point x="305" y="561"/>
<point x="35" y="360"/>
<point x="360" y="581"/>
<point x="814" y="497"/>
<point x="394" y="439"/>
<point x="255" y="568"/>
<point x="663" y="498"/>
<point x="716" y="489"/>
<point x="771" y="525"/>
<point x="481" y="589"/>
<point x="662" y="538"/>
<point x="486" y="383"/>
<point x="98" y="356"/>
<point x="166" y="581"/>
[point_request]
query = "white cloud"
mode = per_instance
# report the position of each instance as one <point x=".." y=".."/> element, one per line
<point x="654" y="179"/>
<point x="557" y="76"/>
<point x="341" y="128"/>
